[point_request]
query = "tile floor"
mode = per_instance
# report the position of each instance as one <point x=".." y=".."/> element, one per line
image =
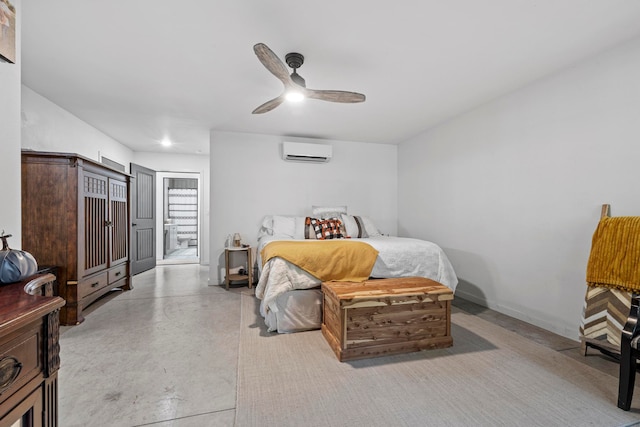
<point x="165" y="354"/>
<point x="183" y="253"/>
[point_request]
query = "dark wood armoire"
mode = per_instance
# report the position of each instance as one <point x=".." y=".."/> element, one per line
<point x="75" y="215"/>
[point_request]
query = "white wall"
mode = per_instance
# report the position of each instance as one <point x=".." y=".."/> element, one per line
<point x="249" y="180"/>
<point x="10" y="212"/>
<point x="512" y="190"/>
<point x="48" y="127"/>
<point x="163" y="162"/>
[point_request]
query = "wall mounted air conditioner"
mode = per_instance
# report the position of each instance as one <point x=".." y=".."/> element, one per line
<point x="303" y="152"/>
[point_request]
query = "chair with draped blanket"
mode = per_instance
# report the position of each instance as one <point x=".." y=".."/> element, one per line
<point x="613" y="281"/>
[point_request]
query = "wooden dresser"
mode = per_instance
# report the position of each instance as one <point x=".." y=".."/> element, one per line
<point x="29" y="353"/>
<point x="75" y="215"/>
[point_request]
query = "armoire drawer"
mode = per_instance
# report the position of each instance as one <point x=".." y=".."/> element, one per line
<point x="92" y="284"/>
<point x="117" y="273"/>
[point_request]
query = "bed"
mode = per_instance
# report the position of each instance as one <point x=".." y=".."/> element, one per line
<point x="291" y="299"/>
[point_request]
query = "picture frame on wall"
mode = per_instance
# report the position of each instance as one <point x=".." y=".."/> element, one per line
<point x="7" y="31"/>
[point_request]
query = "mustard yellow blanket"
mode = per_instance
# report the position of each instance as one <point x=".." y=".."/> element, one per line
<point x="614" y="261"/>
<point x="341" y="260"/>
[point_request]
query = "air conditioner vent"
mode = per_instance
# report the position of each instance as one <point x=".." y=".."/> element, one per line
<point x="304" y="152"/>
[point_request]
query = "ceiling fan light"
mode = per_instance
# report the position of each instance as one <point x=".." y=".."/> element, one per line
<point x="294" y="96"/>
<point x="294" y="82"/>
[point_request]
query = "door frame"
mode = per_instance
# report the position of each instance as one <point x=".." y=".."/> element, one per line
<point x="160" y="176"/>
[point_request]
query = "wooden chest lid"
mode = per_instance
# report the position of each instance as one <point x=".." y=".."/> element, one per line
<point x="387" y="287"/>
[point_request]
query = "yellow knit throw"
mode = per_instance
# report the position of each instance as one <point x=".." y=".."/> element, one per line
<point x="341" y="260"/>
<point x="614" y="261"/>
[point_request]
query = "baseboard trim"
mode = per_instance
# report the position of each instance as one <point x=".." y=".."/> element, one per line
<point x="566" y="330"/>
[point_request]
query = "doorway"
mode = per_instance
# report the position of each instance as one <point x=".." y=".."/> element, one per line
<point x="179" y="231"/>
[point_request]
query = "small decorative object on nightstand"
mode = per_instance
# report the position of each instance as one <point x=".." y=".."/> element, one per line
<point x="248" y="272"/>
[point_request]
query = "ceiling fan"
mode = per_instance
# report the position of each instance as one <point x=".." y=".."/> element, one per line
<point x="294" y="85"/>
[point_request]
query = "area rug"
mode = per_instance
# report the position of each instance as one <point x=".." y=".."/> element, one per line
<point x="490" y="377"/>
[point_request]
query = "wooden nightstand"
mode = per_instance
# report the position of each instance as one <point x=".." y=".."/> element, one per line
<point x="229" y="277"/>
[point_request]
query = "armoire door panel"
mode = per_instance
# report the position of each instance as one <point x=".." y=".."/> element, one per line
<point x="95" y="222"/>
<point x="118" y="221"/>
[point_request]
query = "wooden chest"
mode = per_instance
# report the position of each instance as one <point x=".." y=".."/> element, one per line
<point x="386" y="316"/>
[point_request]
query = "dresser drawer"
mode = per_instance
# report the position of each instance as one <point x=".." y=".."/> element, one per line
<point x="117" y="273"/>
<point x="92" y="284"/>
<point x="22" y="351"/>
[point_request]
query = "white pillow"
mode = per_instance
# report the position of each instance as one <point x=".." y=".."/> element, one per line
<point x="267" y="222"/>
<point x="288" y="226"/>
<point x="266" y="227"/>
<point x="359" y="226"/>
<point x="354" y="226"/>
<point x="284" y="226"/>
<point x="324" y="212"/>
<point x="299" y="228"/>
<point x="372" y="230"/>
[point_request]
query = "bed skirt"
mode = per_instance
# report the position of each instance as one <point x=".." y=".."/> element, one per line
<point x="296" y="311"/>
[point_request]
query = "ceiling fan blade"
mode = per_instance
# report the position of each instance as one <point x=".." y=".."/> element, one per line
<point x="272" y="63"/>
<point x="335" y="95"/>
<point x="269" y="105"/>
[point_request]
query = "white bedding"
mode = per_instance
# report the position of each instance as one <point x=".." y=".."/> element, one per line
<point x="397" y="257"/>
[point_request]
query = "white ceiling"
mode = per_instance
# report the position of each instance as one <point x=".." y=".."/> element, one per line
<point x="147" y="69"/>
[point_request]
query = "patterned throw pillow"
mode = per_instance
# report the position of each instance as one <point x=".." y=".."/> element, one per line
<point x="332" y="229"/>
<point x="323" y="228"/>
